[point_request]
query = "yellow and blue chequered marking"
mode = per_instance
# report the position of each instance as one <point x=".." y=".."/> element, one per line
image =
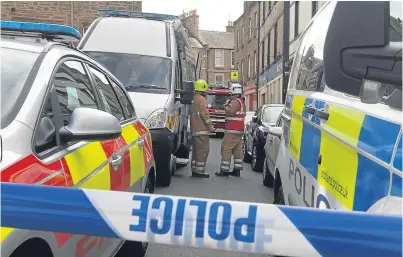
<point x="330" y="150"/>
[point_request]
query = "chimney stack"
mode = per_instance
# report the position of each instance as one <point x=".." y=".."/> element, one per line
<point x="230" y="27"/>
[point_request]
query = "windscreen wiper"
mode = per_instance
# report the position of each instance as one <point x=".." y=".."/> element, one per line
<point x="151" y="86"/>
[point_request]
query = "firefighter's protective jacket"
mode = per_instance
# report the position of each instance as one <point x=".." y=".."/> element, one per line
<point x="200" y="122"/>
<point x="235" y="115"/>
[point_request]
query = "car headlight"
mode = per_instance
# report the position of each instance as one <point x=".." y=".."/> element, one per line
<point x="157" y="119"/>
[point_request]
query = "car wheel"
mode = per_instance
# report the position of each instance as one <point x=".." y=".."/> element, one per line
<point x="279" y="196"/>
<point x="246" y="156"/>
<point x="257" y="158"/>
<point x="267" y="177"/>
<point x="132" y="248"/>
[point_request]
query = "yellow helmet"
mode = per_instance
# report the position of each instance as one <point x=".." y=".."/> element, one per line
<point x="201" y="85"/>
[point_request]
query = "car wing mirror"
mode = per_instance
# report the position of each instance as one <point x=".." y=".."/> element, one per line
<point x="186" y="93"/>
<point x="275" y="131"/>
<point x="254" y="119"/>
<point x="90" y="125"/>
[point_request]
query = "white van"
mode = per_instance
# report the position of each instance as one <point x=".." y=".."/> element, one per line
<point x="150" y="55"/>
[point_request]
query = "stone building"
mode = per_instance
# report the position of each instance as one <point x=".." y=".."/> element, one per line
<point x="79" y="14"/>
<point x="215" y="49"/>
<point x="246" y="28"/>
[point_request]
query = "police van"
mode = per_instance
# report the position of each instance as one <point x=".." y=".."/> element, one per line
<point x="342" y="125"/>
<point x="150" y="55"/>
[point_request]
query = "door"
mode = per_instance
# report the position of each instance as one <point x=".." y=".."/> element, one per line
<point x="86" y="164"/>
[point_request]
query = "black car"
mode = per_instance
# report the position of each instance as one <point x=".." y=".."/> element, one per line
<point x="256" y="132"/>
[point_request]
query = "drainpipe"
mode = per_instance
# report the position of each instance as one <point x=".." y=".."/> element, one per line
<point x="286" y="48"/>
<point x="258" y="56"/>
<point x="72" y="13"/>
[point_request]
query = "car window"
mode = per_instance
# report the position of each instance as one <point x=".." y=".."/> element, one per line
<point x="125" y="101"/>
<point x="108" y="96"/>
<point x="271" y="114"/>
<point x="15" y="67"/>
<point x="73" y="88"/>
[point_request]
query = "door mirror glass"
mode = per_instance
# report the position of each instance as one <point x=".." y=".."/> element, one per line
<point x="186" y="93"/>
<point x="254" y="119"/>
<point x="362" y="44"/>
<point x="90" y="125"/>
<point x="275" y="131"/>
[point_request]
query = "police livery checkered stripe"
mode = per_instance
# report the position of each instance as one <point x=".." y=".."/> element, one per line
<point x="217" y="224"/>
<point x="88" y="165"/>
<point x="353" y="147"/>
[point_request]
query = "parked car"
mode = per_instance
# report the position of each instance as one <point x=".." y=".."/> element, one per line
<point x="271" y="147"/>
<point x="247" y="137"/>
<point x="248" y="117"/>
<point x="265" y="118"/>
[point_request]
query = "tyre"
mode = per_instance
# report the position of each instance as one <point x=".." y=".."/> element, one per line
<point x="279" y="196"/>
<point x="132" y="248"/>
<point x="246" y="156"/>
<point x="257" y="158"/>
<point x="268" y="179"/>
<point x="164" y="171"/>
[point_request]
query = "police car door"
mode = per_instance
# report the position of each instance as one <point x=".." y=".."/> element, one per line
<point x="334" y="159"/>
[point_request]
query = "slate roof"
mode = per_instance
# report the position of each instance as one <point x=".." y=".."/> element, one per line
<point x="194" y="43"/>
<point x="217" y="39"/>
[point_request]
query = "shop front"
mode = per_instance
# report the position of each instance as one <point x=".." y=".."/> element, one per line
<point x="270" y="88"/>
<point x="250" y="96"/>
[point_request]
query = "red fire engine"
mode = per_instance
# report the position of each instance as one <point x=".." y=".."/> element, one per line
<point x="216" y="99"/>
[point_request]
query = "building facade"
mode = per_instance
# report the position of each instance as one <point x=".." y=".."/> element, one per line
<point x="79" y="14"/>
<point x="271" y="43"/>
<point x="215" y="49"/>
<point x="246" y="58"/>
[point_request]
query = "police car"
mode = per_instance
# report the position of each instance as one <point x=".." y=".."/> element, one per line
<point x="342" y="124"/>
<point x="66" y="121"/>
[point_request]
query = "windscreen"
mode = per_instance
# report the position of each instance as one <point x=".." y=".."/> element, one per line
<point x="271" y="113"/>
<point x="138" y="73"/>
<point x="15" y="67"/>
<point x="395" y="21"/>
<point x="217" y="101"/>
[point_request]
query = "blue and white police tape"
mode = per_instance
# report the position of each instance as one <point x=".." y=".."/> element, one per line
<point x="217" y="224"/>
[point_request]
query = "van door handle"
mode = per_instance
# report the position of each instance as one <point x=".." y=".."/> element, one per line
<point x="322" y="114"/>
<point x="116" y="161"/>
<point x="309" y="109"/>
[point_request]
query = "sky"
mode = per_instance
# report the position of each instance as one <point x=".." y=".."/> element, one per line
<point x="213" y="14"/>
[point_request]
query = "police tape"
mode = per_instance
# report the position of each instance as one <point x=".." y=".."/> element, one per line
<point x="217" y="224"/>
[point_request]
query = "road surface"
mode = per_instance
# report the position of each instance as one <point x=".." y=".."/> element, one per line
<point x="247" y="188"/>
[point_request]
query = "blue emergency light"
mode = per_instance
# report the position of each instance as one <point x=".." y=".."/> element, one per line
<point x="41" y="28"/>
<point x="134" y="14"/>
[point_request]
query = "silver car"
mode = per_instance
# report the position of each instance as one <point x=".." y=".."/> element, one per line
<point x="66" y="121"/>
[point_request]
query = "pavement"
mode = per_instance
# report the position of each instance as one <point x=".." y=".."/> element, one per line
<point x="248" y="188"/>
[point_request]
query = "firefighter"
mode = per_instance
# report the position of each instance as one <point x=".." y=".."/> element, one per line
<point x="201" y="128"/>
<point x="232" y="143"/>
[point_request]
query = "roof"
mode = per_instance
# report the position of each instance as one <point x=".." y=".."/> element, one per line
<point x="194" y="43"/>
<point x="217" y="39"/>
<point x="22" y="45"/>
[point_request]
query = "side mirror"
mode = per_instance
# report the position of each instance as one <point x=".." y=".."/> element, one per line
<point x="275" y="131"/>
<point x="357" y="48"/>
<point x="186" y="93"/>
<point x="90" y="125"/>
<point x="254" y="119"/>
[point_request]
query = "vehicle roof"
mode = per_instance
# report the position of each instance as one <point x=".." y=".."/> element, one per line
<point x="22" y="45"/>
<point x="127" y="35"/>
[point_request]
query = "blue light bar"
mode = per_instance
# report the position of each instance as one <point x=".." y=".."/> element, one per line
<point x="42" y="28"/>
<point x="134" y="14"/>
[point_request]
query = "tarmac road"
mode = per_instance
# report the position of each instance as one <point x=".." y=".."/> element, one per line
<point x="247" y="188"/>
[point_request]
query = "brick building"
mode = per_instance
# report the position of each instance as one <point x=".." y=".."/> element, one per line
<point x="78" y="14"/>
<point x="246" y="28"/>
<point x="215" y="49"/>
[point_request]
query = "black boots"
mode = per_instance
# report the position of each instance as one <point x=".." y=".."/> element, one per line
<point x="235" y="173"/>
<point x="222" y="174"/>
<point x="200" y="175"/>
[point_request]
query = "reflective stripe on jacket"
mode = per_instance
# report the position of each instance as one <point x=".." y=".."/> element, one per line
<point x="235" y="118"/>
<point x="200" y="121"/>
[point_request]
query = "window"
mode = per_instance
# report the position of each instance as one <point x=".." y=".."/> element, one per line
<point x="237" y="38"/>
<point x="108" y="96"/>
<point x="268" y="49"/>
<point x="256" y="25"/>
<point x="232" y="59"/>
<point x="219" y="57"/>
<point x="249" y="69"/>
<point x="242" y="70"/>
<point x="125" y="101"/>
<point x="219" y="79"/>
<point x="264" y="10"/>
<point x="242" y="34"/>
<point x="250" y="28"/>
<point x="263" y="46"/>
<point x="263" y="99"/>
<point x="307" y="71"/>
<point x="296" y="20"/>
<point x="254" y="63"/>
<point x="73" y="88"/>
<point x="275" y="41"/>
